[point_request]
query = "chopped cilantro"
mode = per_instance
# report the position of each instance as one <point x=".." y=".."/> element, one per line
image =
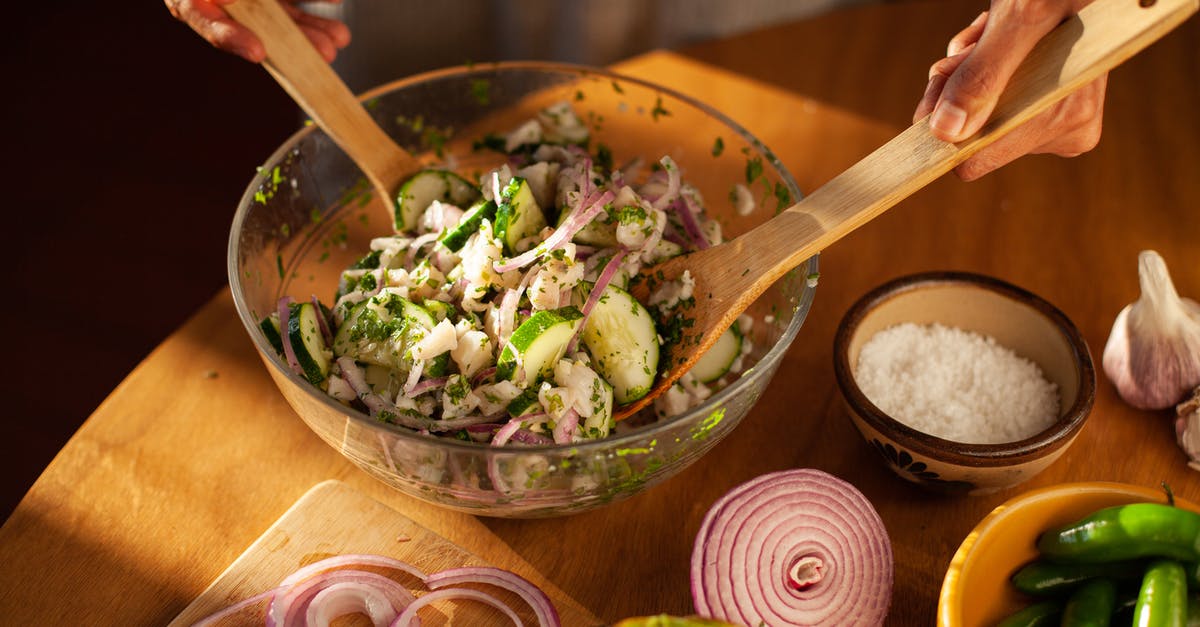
<point x="718" y="147"/>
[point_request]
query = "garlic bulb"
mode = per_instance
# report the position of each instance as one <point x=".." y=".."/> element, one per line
<point x="1153" y="353"/>
<point x="1187" y="428"/>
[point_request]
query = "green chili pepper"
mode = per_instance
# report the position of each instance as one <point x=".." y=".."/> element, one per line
<point x="1091" y="604"/>
<point x="1162" y="601"/>
<point x="1126" y="532"/>
<point x="1042" y="578"/>
<point x="1040" y="614"/>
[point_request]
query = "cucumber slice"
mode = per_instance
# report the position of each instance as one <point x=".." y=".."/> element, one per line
<point x="518" y="215"/>
<point x="716" y="362"/>
<point x="456" y="237"/>
<point x="537" y="345"/>
<point x="426" y="186"/>
<point x="526" y="403"/>
<point x="304" y="334"/>
<point x="270" y="328"/>
<point x="440" y="310"/>
<point x="623" y="343"/>
<point x="382" y="329"/>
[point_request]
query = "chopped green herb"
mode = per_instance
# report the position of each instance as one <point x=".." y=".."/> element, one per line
<point x="718" y="147"/>
<point x="658" y="109"/>
<point x="481" y="91"/>
<point x="754" y="169"/>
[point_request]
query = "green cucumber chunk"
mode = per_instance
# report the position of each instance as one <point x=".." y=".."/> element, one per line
<point x="270" y="328"/>
<point x="525" y="403"/>
<point x="623" y="343"/>
<point x="304" y="334"/>
<point x="426" y="186"/>
<point x="518" y="215"/>
<point x="713" y="364"/>
<point x="383" y="329"/>
<point x="456" y="237"/>
<point x="537" y="345"/>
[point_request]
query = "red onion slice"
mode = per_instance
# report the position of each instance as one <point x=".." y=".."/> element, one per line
<point x="409" y="615"/>
<point x="543" y="609"/>
<point x="578" y="219"/>
<point x="326" y="330"/>
<point x="793" y="547"/>
<point x="288" y="352"/>
<point x="688" y="220"/>
<point x="564" y="428"/>
<point x="602" y="281"/>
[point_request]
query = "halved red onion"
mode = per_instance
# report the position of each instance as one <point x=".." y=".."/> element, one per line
<point x="377" y="596"/>
<point x="795" y="547"/>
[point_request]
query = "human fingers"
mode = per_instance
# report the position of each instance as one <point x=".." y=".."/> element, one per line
<point x="211" y="22"/>
<point x="967" y="36"/>
<point x="327" y="35"/>
<point x="938" y="73"/>
<point x="1068" y="128"/>
<point x="1012" y="29"/>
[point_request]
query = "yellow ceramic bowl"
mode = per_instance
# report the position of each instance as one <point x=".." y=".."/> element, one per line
<point x="976" y="590"/>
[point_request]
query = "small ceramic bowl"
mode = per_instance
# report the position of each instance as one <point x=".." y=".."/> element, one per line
<point x="1016" y="319"/>
<point x="976" y="590"/>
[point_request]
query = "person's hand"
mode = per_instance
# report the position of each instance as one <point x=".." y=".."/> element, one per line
<point x="207" y="18"/>
<point x="980" y="60"/>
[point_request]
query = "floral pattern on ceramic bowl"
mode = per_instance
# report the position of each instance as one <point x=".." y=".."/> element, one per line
<point x="1015" y="318"/>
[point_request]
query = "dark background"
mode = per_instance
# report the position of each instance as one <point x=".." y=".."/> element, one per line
<point x="129" y="142"/>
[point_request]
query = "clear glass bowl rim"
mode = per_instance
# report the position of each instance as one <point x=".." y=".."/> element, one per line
<point x="746" y="381"/>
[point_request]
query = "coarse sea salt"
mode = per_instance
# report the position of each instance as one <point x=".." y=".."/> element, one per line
<point x="955" y="384"/>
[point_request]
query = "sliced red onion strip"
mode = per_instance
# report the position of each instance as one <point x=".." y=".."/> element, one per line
<point x="688" y="219"/>
<point x="504" y="433"/>
<point x="290" y="353"/>
<point x="559" y="238"/>
<point x="341" y="599"/>
<point x="754" y="537"/>
<point x="672" y="191"/>
<point x="414" y="375"/>
<point x="425" y="386"/>
<point x="326" y="330"/>
<point x="564" y="428"/>
<point x="409" y="615"/>
<point x="602" y="281"/>
<point x="454" y="424"/>
<point x="525" y="436"/>
<point x="543" y="609"/>
<point x="293" y="607"/>
<point x="352" y="559"/>
<point x="378" y="404"/>
<point x="482" y="376"/>
<point x="415" y="246"/>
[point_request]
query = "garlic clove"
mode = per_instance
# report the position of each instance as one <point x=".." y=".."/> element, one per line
<point x="1153" y="351"/>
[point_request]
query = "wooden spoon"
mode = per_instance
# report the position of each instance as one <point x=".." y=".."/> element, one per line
<point x="313" y="84"/>
<point x="731" y="276"/>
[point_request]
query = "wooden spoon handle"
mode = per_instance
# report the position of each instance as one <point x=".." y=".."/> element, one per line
<point x="1078" y="51"/>
<point x="313" y="84"/>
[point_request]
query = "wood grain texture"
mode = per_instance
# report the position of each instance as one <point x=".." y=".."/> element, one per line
<point x="334" y="519"/>
<point x="195" y="454"/>
<point x="730" y="277"/>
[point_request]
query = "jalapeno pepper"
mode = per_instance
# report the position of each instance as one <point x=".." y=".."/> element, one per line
<point x="1091" y="604"/>
<point x="1041" y="614"/>
<point x="1162" y="601"/>
<point x="1043" y="578"/>
<point x="1126" y="532"/>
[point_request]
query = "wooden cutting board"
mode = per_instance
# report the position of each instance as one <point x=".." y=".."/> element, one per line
<point x="334" y="519"/>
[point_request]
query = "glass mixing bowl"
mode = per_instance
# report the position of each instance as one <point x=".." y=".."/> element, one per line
<point x="309" y="213"/>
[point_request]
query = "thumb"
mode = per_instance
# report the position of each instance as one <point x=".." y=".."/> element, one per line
<point x="971" y="91"/>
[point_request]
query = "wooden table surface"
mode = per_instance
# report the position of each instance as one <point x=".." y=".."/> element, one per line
<point x="179" y="471"/>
